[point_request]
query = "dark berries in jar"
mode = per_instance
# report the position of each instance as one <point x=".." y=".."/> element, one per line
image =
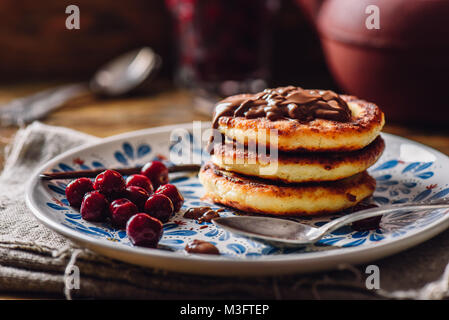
<point x="120" y="211"/>
<point x="95" y="207"/>
<point x="157" y="172"/>
<point x="173" y="193"/>
<point x="110" y="183"/>
<point x="139" y="180"/>
<point x="136" y="195"/>
<point x="76" y="190"/>
<point x="144" y="230"/>
<point x="159" y="206"/>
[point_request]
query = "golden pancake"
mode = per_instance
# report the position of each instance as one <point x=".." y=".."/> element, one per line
<point x="297" y="167"/>
<point x="260" y="196"/>
<point x="318" y="135"/>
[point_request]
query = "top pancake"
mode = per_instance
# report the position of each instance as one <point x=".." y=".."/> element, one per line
<point x="318" y="135"/>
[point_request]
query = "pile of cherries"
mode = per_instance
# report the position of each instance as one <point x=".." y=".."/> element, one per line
<point x="139" y="204"/>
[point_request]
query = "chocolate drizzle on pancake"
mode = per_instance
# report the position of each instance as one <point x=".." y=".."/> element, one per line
<point x="290" y="102"/>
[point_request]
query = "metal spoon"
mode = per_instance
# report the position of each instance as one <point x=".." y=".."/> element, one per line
<point x="117" y="77"/>
<point x="287" y="233"/>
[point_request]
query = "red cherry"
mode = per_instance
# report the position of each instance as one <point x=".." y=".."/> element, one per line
<point x="120" y="211"/>
<point x="139" y="180"/>
<point x="136" y="195"/>
<point x="157" y="172"/>
<point x="159" y="206"/>
<point x="173" y="193"/>
<point x="95" y="207"/>
<point x="76" y="190"/>
<point x="109" y="182"/>
<point x="144" y="230"/>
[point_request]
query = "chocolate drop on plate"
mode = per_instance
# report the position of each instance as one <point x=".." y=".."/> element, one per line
<point x="202" y="214"/>
<point x="196" y="213"/>
<point x="200" y="246"/>
<point x="365" y="224"/>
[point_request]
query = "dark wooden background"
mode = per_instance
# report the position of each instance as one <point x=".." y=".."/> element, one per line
<point x="35" y="44"/>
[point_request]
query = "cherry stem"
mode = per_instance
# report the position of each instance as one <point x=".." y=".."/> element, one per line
<point x="122" y="171"/>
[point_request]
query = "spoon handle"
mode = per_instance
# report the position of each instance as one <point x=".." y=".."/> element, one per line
<point x="24" y="110"/>
<point x="364" y="214"/>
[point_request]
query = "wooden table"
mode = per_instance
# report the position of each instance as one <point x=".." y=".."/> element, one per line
<point x="104" y="118"/>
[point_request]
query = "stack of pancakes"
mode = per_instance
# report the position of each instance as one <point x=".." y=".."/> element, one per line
<point x="322" y="146"/>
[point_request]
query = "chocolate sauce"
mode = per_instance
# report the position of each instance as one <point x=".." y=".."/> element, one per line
<point x="285" y="103"/>
<point x="361" y="206"/>
<point x="200" y="246"/>
<point x="208" y="216"/>
<point x="368" y="223"/>
<point x="202" y="214"/>
<point x="351" y="197"/>
<point x="196" y="213"/>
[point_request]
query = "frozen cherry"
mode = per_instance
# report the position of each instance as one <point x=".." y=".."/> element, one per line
<point x="76" y="190"/>
<point x="139" y="180"/>
<point x="173" y="193"/>
<point x="157" y="172"/>
<point x="159" y="206"/>
<point x="109" y="182"/>
<point x="144" y="230"/>
<point x="120" y="211"/>
<point x="136" y="195"/>
<point x="95" y="207"/>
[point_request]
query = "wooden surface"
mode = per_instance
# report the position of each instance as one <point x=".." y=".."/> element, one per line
<point x="37" y="45"/>
<point x="104" y="118"/>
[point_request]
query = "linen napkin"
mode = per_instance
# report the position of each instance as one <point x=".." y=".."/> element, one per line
<point x="36" y="260"/>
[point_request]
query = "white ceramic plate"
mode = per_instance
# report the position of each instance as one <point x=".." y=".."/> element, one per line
<point x="407" y="172"/>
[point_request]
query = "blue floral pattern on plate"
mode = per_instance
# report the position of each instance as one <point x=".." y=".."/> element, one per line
<point x="398" y="181"/>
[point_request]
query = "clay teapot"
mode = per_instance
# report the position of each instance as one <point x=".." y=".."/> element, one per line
<point x="403" y="66"/>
